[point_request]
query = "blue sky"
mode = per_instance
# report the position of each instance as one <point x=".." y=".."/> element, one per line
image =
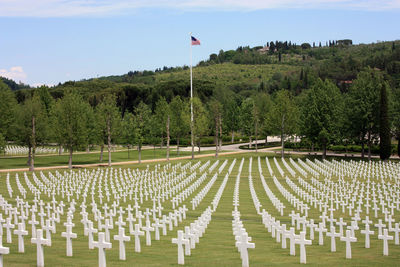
<point x="51" y="41"/>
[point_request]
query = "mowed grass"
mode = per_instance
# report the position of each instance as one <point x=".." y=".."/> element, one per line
<point x="91" y="158"/>
<point x="217" y="246"/>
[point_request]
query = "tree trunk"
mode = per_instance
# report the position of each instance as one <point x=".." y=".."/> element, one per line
<point x="256" y="137"/>
<point x="177" y="145"/>
<point x="70" y="158"/>
<point x="220" y="131"/>
<point x="140" y="153"/>
<point x="369" y="145"/>
<point x="162" y="141"/>
<point x="28" y="163"/>
<point x="192" y="128"/>
<point x="324" y="149"/>
<point x="60" y="149"/>
<point x="168" y="138"/>
<point x="362" y="147"/>
<point x="216" y="137"/>
<point x="312" y="147"/>
<point x="87" y="148"/>
<point x="250" y="142"/>
<point x="233" y="137"/>
<point x="109" y="142"/>
<point x="266" y="140"/>
<point x="282" y="136"/>
<point x="101" y="152"/>
<point x="33" y="144"/>
<point x="398" y="145"/>
<point x="283" y="144"/>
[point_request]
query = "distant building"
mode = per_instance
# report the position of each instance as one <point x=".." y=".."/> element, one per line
<point x="263" y="50"/>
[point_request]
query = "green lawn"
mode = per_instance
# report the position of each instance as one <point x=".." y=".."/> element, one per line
<point x="216" y="247"/>
<point x="90" y="158"/>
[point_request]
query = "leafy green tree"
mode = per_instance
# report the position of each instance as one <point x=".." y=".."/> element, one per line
<point x="320" y="113"/>
<point x="215" y="109"/>
<point x="162" y="115"/>
<point x="247" y="114"/>
<point x="3" y="144"/>
<point x="283" y="117"/>
<point x="231" y="116"/>
<point x="93" y="129"/>
<point x="142" y="127"/>
<point x="129" y="133"/>
<point x="396" y="117"/>
<point x="200" y="126"/>
<point x="385" y="148"/>
<point x="180" y="119"/>
<point x="263" y="103"/>
<point x="70" y="122"/>
<point x="109" y="118"/>
<point x="31" y="126"/>
<point x="45" y="98"/>
<point x="7" y="105"/>
<point x="363" y="107"/>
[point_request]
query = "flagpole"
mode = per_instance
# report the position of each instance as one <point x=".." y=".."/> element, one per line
<point x="191" y="98"/>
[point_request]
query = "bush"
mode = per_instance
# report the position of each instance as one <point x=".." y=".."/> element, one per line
<point x="260" y="146"/>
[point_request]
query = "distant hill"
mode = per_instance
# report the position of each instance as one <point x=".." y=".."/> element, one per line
<point x="13" y="85"/>
<point x="243" y="71"/>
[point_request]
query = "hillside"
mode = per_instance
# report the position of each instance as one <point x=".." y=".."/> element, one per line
<point x="243" y="71"/>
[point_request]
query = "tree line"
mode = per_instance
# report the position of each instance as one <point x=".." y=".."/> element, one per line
<point x="368" y="113"/>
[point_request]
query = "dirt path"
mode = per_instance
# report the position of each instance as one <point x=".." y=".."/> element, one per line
<point x="269" y="150"/>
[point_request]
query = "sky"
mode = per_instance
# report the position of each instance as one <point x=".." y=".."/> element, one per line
<point x="52" y="41"/>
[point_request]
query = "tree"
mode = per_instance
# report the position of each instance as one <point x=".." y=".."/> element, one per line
<point x="109" y="118"/>
<point x="3" y="144"/>
<point x="129" y="135"/>
<point x="215" y="109"/>
<point x="180" y="119"/>
<point x="320" y="113"/>
<point x="247" y="122"/>
<point x="142" y="127"/>
<point x="396" y="117"/>
<point x="70" y="115"/>
<point x="31" y="126"/>
<point x="264" y="104"/>
<point x="283" y="115"/>
<point x="363" y="105"/>
<point x="7" y="105"/>
<point x="231" y="116"/>
<point x="385" y="148"/>
<point x="162" y="115"/>
<point x="200" y="126"/>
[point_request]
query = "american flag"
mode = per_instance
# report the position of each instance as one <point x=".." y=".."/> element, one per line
<point x="195" y="41"/>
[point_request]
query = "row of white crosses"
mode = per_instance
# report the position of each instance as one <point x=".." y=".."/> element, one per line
<point x="275" y="200"/>
<point x="346" y="198"/>
<point x="279" y="230"/>
<point x="256" y="201"/>
<point x="22" y="150"/>
<point x="239" y="231"/>
<point x="69" y="235"/>
<point x="274" y="226"/>
<point x="350" y="233"/>
<point x="292" y="199"/>
<point x="186" y="239"/>
<point x="75" y="186"/>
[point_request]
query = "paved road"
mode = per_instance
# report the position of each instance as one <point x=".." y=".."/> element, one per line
<point x="232" y="147"/>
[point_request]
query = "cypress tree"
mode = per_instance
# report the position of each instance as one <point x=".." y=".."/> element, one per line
<point x="384" y="128"/>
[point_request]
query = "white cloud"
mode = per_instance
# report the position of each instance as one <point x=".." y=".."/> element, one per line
<point x="68" y="8"/>
<point x="14" y="73"/>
